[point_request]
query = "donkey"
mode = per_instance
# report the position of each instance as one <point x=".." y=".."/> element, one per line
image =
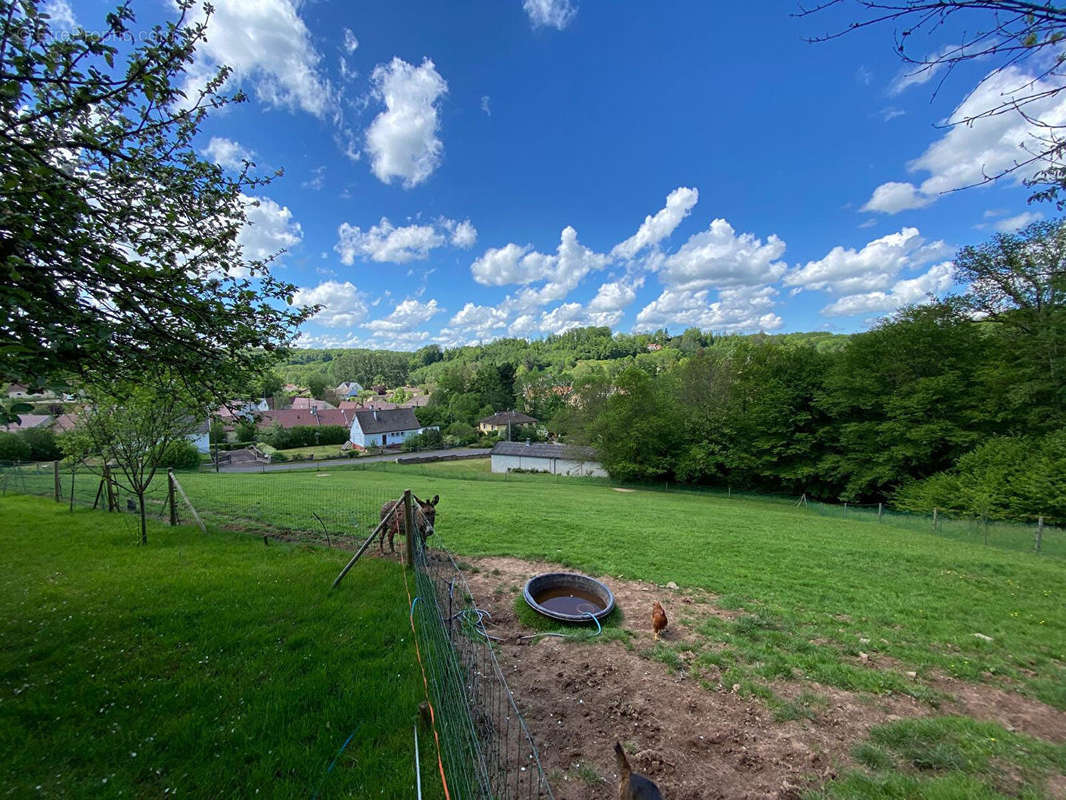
<point x="397" y="525"/>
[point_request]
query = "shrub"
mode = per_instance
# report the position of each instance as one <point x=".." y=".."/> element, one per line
<point x="461" y="433"/>
<point x="42" y="444"/>
<point x="13" y="448"/>
<point x="181" y="454"/>
<point x="427" y="440"/>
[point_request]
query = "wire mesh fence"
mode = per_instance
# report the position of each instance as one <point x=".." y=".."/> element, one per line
<point x="486" y="748"/>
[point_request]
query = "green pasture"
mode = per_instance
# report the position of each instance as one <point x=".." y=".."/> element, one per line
<point x="813" y="590"/>
<point x="204" y="666"/>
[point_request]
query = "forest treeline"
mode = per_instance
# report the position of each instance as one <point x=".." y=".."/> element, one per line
<point x="958" y="404"/>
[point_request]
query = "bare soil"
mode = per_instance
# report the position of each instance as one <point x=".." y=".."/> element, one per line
<point x="695" y="741"/>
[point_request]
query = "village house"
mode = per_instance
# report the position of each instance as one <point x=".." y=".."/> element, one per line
<point x="503" y="422"/>
<point x="348" y="389"/>
<point x="384" y="428"/>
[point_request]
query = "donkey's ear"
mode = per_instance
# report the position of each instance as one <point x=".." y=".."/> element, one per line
<point x="435" y="500"/>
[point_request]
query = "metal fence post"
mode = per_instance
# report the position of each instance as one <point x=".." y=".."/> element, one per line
<point x="55" y="472"/>
<point x="880" y="511"/>
<point x="409" y="524"/>
<point x="1039" y="533"/>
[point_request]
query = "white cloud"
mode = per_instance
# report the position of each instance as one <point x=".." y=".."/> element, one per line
<point x="1015" y="223"/>
<point x="385" y="242"/>
<point x="485" y="105"/>
<point x="980" y="147"/>
<point x="654" y="229"/>
<point x="736" y="310"/>
<point x="890" y="113"/>
<point x="464" y="234"/>
<point x="519" y="264"/>
<point x="874" y="267"/>
<point x="719" y="257"/>
<point x="615" y="295"/>
<point x="475" y="323"/>
<point x="266" y="44"/>
<point x="903" y="293"/>
<point x="62" y="16"/>
<point x="405" y="317"/>
<point x="317" y="179"/>
<point x="268" y="228"/>
<point x="402" y="140"/>
<point x="227" y="153"/>
<point x="343" y="305"/>
<point x="919" y="74"/>
<point x="550" y="13"/>
<point x="350" y="42"/>
<point x="896" y="196"/>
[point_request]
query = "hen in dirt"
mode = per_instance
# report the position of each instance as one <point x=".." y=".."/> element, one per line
<point x="658" y="618"/>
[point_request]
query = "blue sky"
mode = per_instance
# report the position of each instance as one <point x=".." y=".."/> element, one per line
<point x="458" y="172"/>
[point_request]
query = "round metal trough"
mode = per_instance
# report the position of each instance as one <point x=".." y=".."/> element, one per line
<point x="568" y="597"/>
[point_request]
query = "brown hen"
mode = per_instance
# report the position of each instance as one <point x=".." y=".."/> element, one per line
<point x="658" y="618"/>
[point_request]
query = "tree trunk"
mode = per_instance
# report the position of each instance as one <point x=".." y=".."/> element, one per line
<point x="144" y="524"/>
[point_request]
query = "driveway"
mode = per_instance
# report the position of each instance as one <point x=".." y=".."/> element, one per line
<point x="463" y="452"/>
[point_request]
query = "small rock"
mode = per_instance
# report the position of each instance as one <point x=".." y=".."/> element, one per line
<point x="671" y="585"/>
<point x="982" y="637"/>
<point x="736" y="688"/>
<point x="864" y="641"/>
<point x="864" y="657"/>
<point x="912" y="675"/>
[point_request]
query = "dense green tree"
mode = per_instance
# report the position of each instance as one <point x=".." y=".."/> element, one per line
<point x="317" y="384"/>
<point x="118" y="242"/>
<point x="903" y="400"/>
<point x="638" y="432"/>
<point x="43" y="444"/>
<point x="1018" y="283"/>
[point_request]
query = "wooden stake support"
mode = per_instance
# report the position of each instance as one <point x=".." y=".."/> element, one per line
<point x="58" y="490"/>
<point x="409" y="520"/>
<point x="170" y="498"/>
<point x="185" y="497"/>
<point x="362" y="549"/>
<point x="1039" y="533"/>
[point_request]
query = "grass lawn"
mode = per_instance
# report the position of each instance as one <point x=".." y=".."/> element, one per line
<point x="816" y="590"/>
<point x="207" y="666"/>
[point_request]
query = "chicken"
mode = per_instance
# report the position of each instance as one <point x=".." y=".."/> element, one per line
<point x="658" y="618"/>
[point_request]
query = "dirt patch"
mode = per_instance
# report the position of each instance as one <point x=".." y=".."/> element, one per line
<point x="694" y="739"/>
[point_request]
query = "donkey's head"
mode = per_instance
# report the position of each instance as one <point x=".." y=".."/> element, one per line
<point x="429" y="515"/>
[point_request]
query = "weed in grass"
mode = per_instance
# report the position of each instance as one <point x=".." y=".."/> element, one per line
<point x="950" y="757"/>
<point x="588" y="775"/>
<point x="807" y="705"/>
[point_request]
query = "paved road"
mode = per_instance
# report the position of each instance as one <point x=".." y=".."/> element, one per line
<point x="343" y="462"/>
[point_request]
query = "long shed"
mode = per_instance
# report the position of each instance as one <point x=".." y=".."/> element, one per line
<point x="558" y="459"/>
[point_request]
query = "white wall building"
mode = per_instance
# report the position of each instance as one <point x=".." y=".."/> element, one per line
<point x="384" y="427"/>
<point x="558" y="459"/>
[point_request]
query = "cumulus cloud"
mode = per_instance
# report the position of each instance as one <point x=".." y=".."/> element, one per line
<point x="227" y="153"/>
<point x="896" y="196"/>
<point x="269" y="47"/>
<point x="269" y="227"/>
<point x="743" y="309"/>
<point x="550" y="13"/>
<point x="937" y="280"/>
<point x="343" y="305"/>
<point x="979" y="147"/>
<point x="463" y="234"/>
<point x="721" y="258"/>
<point x="407" y="316"/>
<point x="654" y="229"/>
<point x="475" y="323"/>
<point x="615" y="295"/>
<point x="350" y="42"/>
<point x="62" y="15"/>
<point x="386" y="242"/>
<point x="402" y="140"/>
<point x="874" y="267"/>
